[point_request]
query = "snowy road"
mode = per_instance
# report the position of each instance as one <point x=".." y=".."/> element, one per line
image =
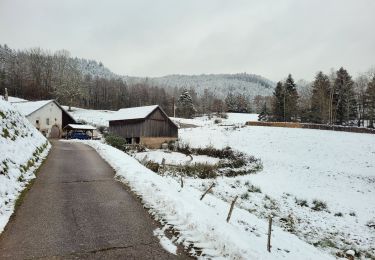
<point x="76" y="209"/>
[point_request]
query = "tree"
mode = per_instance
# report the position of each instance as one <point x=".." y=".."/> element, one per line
<point x="231" y="103"/>
<point x="370" y="102"/>
<point x="360" y="86"/>
<point x="344" y="103"/>
<point x="320" y="99"/>
<point x="264" y="113"/>
<point x="185" y="107"/>
<point x="278" y="104"/>
<point x="71" y="85"/>
<point x="291" y="98"/>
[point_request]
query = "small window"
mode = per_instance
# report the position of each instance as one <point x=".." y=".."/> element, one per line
<point x="47" y="121"/>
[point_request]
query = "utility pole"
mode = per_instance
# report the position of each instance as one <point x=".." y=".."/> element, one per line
<point x="6" y="94"/>
<point x="284" y="88"/>
<point x="174" y="108"/>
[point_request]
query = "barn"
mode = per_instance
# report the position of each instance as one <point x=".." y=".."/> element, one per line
<point x="46" y="115"/>
<point x="148" y="125"/>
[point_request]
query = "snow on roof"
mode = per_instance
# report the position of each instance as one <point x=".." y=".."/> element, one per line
<point x="80" y="127"/>
<point x="28" y="107"/>
<point x="133" y="113"/>
<point x="13" y="99"/>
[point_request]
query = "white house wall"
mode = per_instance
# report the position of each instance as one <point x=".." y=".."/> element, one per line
<point x="50" y="111"/>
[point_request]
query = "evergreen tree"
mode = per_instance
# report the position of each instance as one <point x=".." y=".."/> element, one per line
<point x="344" y="103"/>
<point x="185" y="107"/>
<point x="230" y="102"/>
<point x="291" y="98"/>
<point x="320" y="99"/>
<point x="264" y="113"/>
<point x="278" y="105"/>
<point x="370" y="102"/>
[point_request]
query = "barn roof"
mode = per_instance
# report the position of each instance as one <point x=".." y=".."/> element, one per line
<point x="133" y="113"/>
<point x="28" y="107"/>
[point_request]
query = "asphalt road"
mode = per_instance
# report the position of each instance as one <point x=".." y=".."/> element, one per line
<point x="76" y="210"/>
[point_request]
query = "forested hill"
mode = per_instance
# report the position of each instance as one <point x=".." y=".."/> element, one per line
<point x="220" y="84"/>
<point x="36" y="74"/>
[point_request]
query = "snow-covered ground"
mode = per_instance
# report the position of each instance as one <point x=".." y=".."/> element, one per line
<point x="174" y="157"/>
<point x="337" y="168"/>
<point x="202" y="223"/>
<point x="300" y="166"/>
<point x="233" y="119"/>
<point x="23" y="148"/>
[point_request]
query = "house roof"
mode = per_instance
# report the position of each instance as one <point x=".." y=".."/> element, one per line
<point x="79" y="127"/>
<point x="28" y="107"/>
<point x="133" y="113"/>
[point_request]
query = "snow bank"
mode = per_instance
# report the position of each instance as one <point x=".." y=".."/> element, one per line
<point x="202" y="224"/>
<point x="23" y="148"/>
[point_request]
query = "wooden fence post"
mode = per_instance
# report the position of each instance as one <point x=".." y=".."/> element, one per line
<point x="204" y="194"/>
<point x="231" y="208"/>
<point x="269" y="233"/>
<point x="182" y="182"/>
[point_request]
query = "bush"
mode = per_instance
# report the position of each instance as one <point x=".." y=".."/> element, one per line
<point x="253" y="188"/>
<point x="222" y="115"/>
<point x="5" y="133"/>
<point x="217" y="121"/>
<point x="302" y="203"/>
<point x="319" y="205"/>
<point x="153" y="166"/>
<point x="200" y="170"/>
<point x="338" y="214"/>
<point x="245" y="196"/>
<point x="101" y="129"/>
<point x="184" y="148"/>
<point x="116" y="141"/>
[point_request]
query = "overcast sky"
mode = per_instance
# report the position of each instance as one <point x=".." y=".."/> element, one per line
<point x="156" y="38"/>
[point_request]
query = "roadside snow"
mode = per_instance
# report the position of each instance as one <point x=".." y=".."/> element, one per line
<point x="202" y="224"/>
<point x="23" y="148"/>
<point x="165" y="242"/>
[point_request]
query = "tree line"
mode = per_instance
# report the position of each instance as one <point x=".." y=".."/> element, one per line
<point x="330" y="99"/>
<point x="37" y="74"/>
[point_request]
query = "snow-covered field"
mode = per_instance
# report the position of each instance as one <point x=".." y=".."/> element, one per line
<point x="318" y="184"/>
<point x="202" y="224"/>
<point x="23" y="149"/>
<point x="337" y="168"/>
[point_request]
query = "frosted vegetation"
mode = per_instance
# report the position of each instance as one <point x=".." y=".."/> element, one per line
<point x="22" y="150"/>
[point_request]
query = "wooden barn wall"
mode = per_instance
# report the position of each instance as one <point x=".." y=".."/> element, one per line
<point x="156" y="125"/>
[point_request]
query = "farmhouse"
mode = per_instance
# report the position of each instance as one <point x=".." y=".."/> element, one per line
<point x="148" y="125"/>
<point x="46" y="115"/>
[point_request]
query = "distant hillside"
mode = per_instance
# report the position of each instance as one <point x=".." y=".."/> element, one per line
<point x="220" y="84"/>
<point x="95" y="69"/>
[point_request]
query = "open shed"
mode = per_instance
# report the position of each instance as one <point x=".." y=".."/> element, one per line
<point x="77" y="127"/>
